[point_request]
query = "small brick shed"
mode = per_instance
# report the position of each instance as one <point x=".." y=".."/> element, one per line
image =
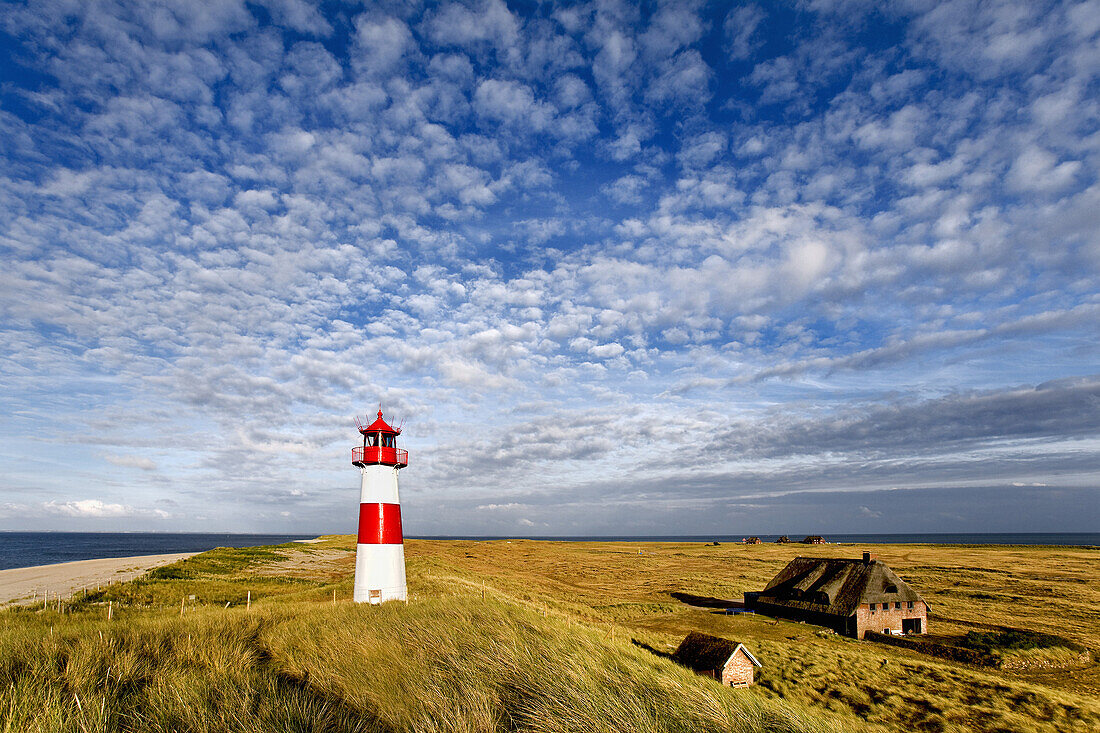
<point x="726" y="661"/>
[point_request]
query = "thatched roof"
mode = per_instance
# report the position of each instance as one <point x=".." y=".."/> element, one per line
<point x="706" y="653"/>
<point x="835" y="586"/>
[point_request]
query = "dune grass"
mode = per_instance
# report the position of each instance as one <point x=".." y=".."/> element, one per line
<point x="438" y="665"/>
<point x="633" y="588"/>
<point x="539" y="636"/>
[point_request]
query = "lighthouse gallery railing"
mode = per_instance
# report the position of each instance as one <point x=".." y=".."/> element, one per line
<point x="378" y="454"/>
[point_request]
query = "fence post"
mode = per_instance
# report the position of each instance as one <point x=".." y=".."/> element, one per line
<point x="248" y="602"/>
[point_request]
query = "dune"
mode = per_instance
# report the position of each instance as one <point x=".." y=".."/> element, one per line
<point x="27" y="585"/>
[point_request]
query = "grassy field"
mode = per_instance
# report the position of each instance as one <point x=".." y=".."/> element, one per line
<point x="538" y="636"/>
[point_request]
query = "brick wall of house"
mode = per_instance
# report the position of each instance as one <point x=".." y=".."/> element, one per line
<point x="738" y="671"/>
<point x="889" y="618"/>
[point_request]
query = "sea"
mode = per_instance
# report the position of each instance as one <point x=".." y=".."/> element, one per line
<point x="26" y="549"/>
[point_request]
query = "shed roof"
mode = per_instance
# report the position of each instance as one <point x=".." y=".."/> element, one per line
<point x="835" y="586"/>
<point x="704" y="653"/>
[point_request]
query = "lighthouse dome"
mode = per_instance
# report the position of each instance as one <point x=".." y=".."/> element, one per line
<point x="380" y="426"/>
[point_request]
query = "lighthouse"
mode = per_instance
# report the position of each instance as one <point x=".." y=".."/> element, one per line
<point x="379" y="552"/>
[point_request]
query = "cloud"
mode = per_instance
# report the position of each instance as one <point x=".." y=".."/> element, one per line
<point x="142" y="462"/>
<point x="1036" y="169"/>
<point x="382" y="43"/>
<point x="740" y="27"/>
<point x="554" y="239"/>
<point x="94" y="508"/>
<point x="952" y="423"/>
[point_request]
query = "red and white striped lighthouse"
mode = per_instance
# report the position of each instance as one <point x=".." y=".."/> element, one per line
<point x="380" y="552"/>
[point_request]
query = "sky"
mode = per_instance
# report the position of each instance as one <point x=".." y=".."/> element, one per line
<point x="619" y="269"/>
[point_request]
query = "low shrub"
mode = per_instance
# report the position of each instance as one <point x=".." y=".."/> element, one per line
<point x="991" y="642"/>
<point x="934" y="649"/>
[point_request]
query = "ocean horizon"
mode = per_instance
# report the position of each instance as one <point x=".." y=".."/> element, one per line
<point x="28" y="549"/>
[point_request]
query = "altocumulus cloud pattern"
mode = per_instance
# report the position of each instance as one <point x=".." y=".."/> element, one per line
<point x="691" y="267"/>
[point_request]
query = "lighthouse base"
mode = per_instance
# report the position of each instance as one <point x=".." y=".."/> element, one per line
<point x="379" y="573"/>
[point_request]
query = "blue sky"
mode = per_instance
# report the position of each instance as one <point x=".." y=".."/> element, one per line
<point x="684" y="268"/>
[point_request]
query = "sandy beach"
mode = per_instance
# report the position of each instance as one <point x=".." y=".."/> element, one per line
<point x="27" y="585"/>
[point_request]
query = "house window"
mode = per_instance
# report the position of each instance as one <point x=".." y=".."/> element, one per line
<point x="910" y="605"/>
<point x="897" y="604"/>
<point x="872" y="608"/>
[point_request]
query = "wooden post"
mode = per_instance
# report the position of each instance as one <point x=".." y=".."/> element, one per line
<point x="248" y="602"/>
<point x="45" y="599"/>
<point x="334" y="596"/>
<point x="109" y="609"/>
<point x="184" y="598"/>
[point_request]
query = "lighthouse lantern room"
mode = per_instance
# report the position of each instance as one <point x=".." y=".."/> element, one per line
<point x="380" y="552"/>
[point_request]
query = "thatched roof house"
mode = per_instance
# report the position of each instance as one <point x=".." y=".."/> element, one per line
<point x="849" y="596"/>
<point x="724" y="660"/>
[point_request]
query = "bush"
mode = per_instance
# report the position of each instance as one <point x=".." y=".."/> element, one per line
<point x="991" y="642"/>
<point x="940" y="651"/>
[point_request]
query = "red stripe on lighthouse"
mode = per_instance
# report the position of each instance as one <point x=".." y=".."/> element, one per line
<point x="380" y="524"/>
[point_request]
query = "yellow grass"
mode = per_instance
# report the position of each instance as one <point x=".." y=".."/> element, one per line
<point x="538" y="636"/>
<point x="611" y="585"/>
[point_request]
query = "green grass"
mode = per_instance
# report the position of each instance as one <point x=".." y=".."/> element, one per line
<point x="215" y="578"/>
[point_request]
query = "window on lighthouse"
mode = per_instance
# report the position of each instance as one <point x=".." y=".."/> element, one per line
<point x="372" y="440"/>
<point x="387" y="441"/>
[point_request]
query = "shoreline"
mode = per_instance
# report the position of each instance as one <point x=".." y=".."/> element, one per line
<point x="24" y="586"/>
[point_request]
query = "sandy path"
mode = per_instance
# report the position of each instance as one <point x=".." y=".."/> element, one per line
<point x="26" y="585"/>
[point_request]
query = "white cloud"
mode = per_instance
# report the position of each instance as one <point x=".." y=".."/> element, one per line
<point x="383" y="43"/>
<point x="1036" y="169"/>
<point x="740" y="27"/>
<point x="221" y="240"/>
<point x="95" y="508"/>
<point x="130" y="461"/>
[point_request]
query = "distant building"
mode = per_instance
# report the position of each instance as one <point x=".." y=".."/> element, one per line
<point x="848" y="596"/>
<point x="752" y="541"/>
<point x="784" y="540"/>
<point x="726" y="661"/>
<point x="814" y="539"/>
